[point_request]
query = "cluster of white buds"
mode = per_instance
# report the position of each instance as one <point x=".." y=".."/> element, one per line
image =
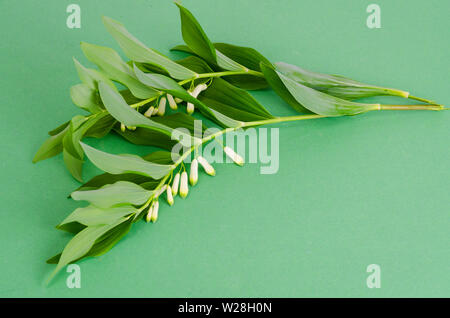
<point x="197" y="90"/>
<point x="179" y="185"/>
<point x="234" y="156"/>
<point x="152" y="214"/>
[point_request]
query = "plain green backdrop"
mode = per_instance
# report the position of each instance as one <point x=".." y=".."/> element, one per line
<point x="353" y="191"/>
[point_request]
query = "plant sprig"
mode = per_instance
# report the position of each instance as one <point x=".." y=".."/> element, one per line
<point x="212" y="81"/>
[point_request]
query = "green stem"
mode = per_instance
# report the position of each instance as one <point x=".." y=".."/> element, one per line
<point x="422" y="100"/>
<point x="220" y="74"/>
<point x="411" y="107"/>
<point x="281" y="120"/>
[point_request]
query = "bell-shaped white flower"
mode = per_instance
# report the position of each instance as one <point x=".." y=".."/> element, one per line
<point x="148" y="216"/>
<point x="169" y="196"/>
<point x="154" y="216"/>
<point x="234" y="156"/>
<point x="149" y="111"/>
<point x="206" y="166"/>
<point x="175" y="184"/>
<point x="162" y="106"/>
<point x="122" y="127"/>
<point x="193" y="174"/>
<point x="172" y="102"/>
<point x="184" y="185"/>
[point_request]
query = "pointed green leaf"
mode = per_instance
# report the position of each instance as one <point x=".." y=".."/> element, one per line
<point x="117" y="164"/>
<point x="195" y="37"/>
<point x="278" y="87"/>
<point x="51" y="147"/>
<point x="199" y="43"/>
<point x="81" y="244"/>
<point x="116" y="69"/>
<point x="117" y="193"/>
<point x="321" y="103"/>
<point x="335" y="85"/>
<point x="91" y="77"/>
<point x="138" y="52"/>
<point x="168" y="85"/>
<point x="102" y="244"/>
<point x="93" y="215"/>
<point x="120" y="110"/>
<point x="233" y="102"/>
<point x="85" y="97"/>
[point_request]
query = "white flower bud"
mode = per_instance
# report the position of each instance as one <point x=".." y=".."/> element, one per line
<point x="154" y="216"/>
<point x="206" y="166"/>
<point x="198" y="89"/>
<point x="193" y="175"/>
<point x="190" y="108"/>
<point x="148" y="216"/>
<point x="155" y="111"/>
<point x="169" y="196"/>
<point x="122" y="127"/>
<point x="184" y="185"/>
<point x="234" y="156"/>
<point x="178" y="100"/>
<point x="172" y="102"/>
<point x="176" y="182"/>
<point x="133" y="128"/>
<point x="162" y="106"/>
<point x="149" y="111"/>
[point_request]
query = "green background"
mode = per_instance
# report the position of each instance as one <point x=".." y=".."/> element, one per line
<point x="350" y="191"/>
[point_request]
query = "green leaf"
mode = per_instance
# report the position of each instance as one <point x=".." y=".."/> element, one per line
<point x="278" y="87"/>
<point x="239" y="55"/>
<point x="81" y="244"/>
<point x="195" y="37"/>
<point x="104" y="243"/>
<point x="120" y="110"/>
<point x="248" y="57"/>
<point x="93" y="215"/>
<point x="58" y="129"/>
<point x="245" y="56"/>
<point x="168" y="85"/>
<point x="196" y="64"/>
<point x="107" y="178"/>
<point x="199" y="43"/>
<point x="101" y="127"/>
<point x="85" y="97"/>
<point x="51" y="147"/>
<point x="91" y="77"/>
<point x="117" y="164"/>
<point x="233" y="102"/>
<point x="117" y="193"/>
<point x="138" y="52"/>
<point x="116" y="69"/>
<point x="321" y="103"/>
<point x="147" y="137"/>
<point x="160" y="157"/>
<point x="335" y="85"/>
